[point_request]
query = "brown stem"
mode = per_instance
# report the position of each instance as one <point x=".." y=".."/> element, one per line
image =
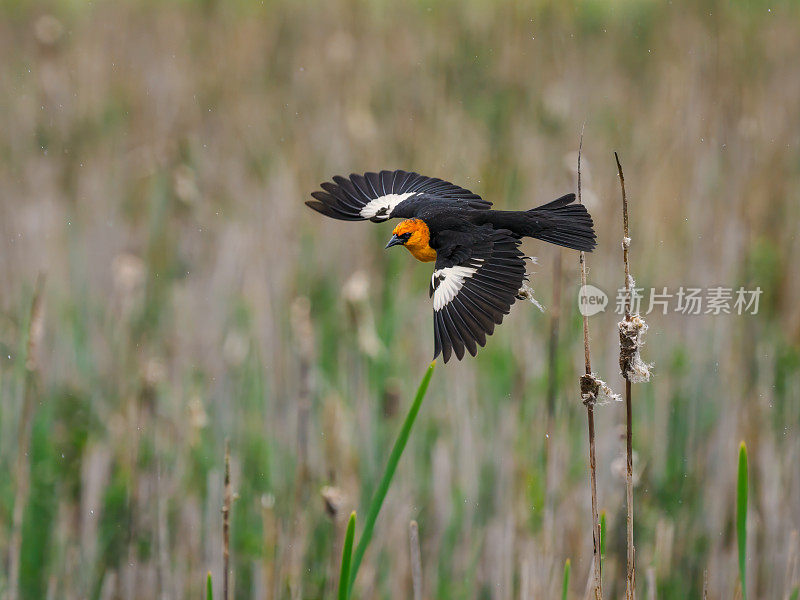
<point x="596" y="566"/>
<point x="631" y="576"/>
<point x="630" y="588"/>
<point x="628" y="286"/>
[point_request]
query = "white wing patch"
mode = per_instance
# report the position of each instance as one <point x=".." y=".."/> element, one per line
<point x="451" y="280"/>
<point x="382" y="207"/>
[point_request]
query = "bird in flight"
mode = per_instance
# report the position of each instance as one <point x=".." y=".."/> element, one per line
<point x="479" y="268"/>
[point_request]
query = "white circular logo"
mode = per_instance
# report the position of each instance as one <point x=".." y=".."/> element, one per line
<point x="591" y="300"/>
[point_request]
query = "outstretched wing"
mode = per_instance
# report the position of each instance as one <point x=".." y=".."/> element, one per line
<point x="376" y="196"/>
<point x="473" y="288"/>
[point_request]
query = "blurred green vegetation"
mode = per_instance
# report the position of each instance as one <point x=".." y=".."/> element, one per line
<point x="153" y="164"/>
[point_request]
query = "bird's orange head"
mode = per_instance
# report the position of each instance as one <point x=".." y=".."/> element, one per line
<point x="415" y="236"/>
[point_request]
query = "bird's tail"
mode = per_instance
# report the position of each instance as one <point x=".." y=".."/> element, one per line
<point x="564" y="223"/>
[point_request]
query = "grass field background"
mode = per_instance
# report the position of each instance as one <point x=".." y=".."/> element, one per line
<point x="154" y="160"/>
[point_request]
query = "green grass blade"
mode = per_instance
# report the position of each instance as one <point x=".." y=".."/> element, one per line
<point x="741" y="514"/>
<point x="602" y="535"/>
<point x="209" y="588"/>
<point x="795" y="594"/>
<point x="347" y="553"/>
<point x="386" y="480"/>
<point x="565" y="586"/>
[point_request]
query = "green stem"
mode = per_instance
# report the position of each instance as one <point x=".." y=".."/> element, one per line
<point x="386" y="480"/>
<point x="347" y="553"/>
<point x="602" y="537"/>
<point x="741" y="515"/>
<point x="565" y="586"/>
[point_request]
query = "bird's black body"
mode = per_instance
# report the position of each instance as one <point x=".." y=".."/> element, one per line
<point x="479" y="267"/>
<point x="451" y="224"/>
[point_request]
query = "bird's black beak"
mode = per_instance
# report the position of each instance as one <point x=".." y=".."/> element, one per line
<point x="394" y="241"/>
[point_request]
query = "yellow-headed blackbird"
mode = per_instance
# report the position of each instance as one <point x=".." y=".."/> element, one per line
<point x="479" y="268"/>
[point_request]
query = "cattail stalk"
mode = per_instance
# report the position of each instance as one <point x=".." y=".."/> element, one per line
<point x="630" y="587"/>
<point x="597" y="577"/>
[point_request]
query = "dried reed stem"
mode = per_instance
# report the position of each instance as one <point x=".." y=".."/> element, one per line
<point x="705" y="584"/>
<point x="226" y="523"/>
<point x="22" y="466"/>
<point x="598" y="582"/>
<point x="416" y="560"/>
<point x="630" y="588"/>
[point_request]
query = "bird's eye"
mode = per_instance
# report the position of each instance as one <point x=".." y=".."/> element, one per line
<point x="405" y="236"/>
